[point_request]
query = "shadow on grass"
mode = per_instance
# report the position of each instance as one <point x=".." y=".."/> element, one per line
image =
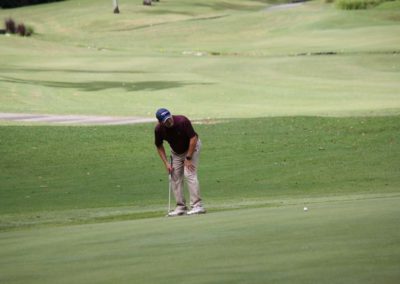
<point x="165" y="23"/>
<point x="104" y="85"/>
<point x="168" y="12"/>
<point x="223" y="6"/>
<point x="35" y="70"/>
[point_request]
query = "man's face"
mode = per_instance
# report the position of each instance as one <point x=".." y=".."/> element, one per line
<point x="169" y="122"/>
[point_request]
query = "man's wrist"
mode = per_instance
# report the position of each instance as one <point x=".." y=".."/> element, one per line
<point x="188" y="158"/>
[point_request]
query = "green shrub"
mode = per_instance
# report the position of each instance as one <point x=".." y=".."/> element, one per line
<point x="358" y="4"/>
<point x="29" y="31"/>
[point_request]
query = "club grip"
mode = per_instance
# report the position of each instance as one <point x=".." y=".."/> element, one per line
<point x="170" y="162"/>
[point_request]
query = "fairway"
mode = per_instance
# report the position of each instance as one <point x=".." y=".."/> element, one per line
<point x="207" y="59"/>
<point x="296" y="106"/>
<point x="347" y="241"/>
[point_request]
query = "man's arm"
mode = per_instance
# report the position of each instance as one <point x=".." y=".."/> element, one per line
<point x="192" y="147"/>
<point x="163" y="156"/>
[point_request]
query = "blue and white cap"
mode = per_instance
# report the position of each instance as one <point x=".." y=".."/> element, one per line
<point x="163" y="114"/>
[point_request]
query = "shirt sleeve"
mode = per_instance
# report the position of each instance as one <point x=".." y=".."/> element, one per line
<point x="189" y="129"/>
<point x="158" y="139"/>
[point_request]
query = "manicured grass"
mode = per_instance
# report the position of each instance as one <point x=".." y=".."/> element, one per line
<point x="83" y="204"/>
<point x="254" y="161"/>
<point x="353" y="241"/>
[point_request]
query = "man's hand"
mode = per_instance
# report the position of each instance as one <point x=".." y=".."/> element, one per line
<point x="189" y="165"/>
<point x="163" y="156"/>
<point x="169" y="168"/>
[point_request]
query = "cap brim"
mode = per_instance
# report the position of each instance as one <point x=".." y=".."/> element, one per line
<point x="165" y="119"/>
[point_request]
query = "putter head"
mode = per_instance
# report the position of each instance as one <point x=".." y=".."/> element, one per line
<point x="169" y="211"/>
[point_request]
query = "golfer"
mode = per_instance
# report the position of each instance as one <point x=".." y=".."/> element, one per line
<point x="185" y="145"/>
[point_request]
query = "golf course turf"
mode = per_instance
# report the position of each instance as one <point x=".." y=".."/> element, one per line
<point x="353" y="241"/>
<point x="296" y="106"/>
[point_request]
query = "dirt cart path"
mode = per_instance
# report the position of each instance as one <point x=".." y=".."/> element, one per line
<point x="72" y="119"/>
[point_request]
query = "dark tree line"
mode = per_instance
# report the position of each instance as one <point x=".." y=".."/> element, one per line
<point x="20" y="3"/>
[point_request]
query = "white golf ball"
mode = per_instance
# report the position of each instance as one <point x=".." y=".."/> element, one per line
<point x="305" y="209"/>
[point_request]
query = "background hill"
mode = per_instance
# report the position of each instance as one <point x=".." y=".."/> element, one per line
<point x="204" y="58"/>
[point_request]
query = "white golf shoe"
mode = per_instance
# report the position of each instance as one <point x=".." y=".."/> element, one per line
<point x="196" y="210"/>
<point x="177" y="212"/>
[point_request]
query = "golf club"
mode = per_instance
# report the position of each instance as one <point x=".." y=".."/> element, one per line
<point x="169" y="189"/>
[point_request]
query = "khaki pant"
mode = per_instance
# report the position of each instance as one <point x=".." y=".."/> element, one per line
<point x="178" y="175"/>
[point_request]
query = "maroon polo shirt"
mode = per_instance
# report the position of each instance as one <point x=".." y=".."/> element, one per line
<point x="178" y="136"/>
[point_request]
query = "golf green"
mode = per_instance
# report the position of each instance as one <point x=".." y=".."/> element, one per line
<point x="354" y="240"/>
